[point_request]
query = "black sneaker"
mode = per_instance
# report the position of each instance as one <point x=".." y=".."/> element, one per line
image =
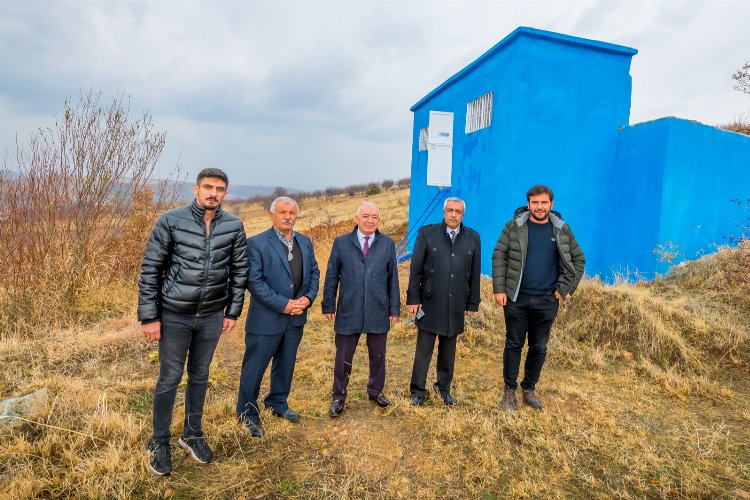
<point x="159" y="458"/>
<point x="197" y="447"/>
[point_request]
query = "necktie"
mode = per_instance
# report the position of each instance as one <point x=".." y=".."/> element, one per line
<point x="453" y="235"/>
<point x="366" y="246"/>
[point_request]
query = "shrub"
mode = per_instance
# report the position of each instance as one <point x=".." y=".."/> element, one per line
<point x="78" y="211"/>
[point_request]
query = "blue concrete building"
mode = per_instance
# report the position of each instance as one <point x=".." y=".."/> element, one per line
<point x="546" y="108"/>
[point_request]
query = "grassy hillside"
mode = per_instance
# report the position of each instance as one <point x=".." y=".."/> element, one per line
<point x="647" y="393"/>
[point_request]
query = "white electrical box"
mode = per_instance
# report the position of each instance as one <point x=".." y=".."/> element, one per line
<point x="440" y="149"/>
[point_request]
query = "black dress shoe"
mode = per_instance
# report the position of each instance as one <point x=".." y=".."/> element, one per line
<point x="417" y="400"/>
<point x="380" y="400"/>
<point x="288" y="414"/>
<point x="336" y="408"/>
<point x="446" y="397"/>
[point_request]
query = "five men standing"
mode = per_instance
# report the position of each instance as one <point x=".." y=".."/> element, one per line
<point x="197" y="263"/>
<point x="283" y="283"/>
<point x="191" y="290"/>
<point x="536" y="265"/>
<point x="362" y="268"/>
<point x="443" y="286"/>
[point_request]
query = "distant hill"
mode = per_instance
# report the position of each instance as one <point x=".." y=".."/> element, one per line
<point x="185" y="188"/>
<point x="236" y="191"/>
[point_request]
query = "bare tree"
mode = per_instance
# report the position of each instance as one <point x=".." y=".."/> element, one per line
<point x="81" y="204"/>
<point x="742" y="77"/>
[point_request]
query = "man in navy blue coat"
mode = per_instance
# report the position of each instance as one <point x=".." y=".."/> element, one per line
<point x="362" y="268"/>
<point x="283" y="282"/>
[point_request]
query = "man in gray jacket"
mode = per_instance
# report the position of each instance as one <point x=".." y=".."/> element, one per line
<point x="363" y="263"/>
<point x="535" y="267"/>
<point x="191" y="291"/>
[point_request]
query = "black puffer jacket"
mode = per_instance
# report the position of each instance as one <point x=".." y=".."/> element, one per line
<point x="186" y="272"/>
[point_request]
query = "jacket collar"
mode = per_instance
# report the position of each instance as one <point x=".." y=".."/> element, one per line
<point x="444" y="228"/>
<point x="199" y="212"/>
<point x="355" y="239"/>
<point x="276" y="245"/>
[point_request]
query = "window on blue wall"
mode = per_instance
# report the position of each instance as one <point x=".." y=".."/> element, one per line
<point x="479" y="113"/>
<point x="423" y="139"/>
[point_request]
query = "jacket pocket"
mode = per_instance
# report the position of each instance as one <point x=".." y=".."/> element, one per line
<point x="170" y="279"/>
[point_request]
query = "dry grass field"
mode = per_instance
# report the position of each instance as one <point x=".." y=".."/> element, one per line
<point x="394" y="209"/>
<point x="647" y="393"/>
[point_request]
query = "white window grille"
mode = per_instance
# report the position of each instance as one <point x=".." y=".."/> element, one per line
<point x="423" y="139"/>
<point x="479" y="113"/>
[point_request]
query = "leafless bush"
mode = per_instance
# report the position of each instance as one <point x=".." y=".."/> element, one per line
<point x="742" y="77"/>
<point x="77" y="213"/>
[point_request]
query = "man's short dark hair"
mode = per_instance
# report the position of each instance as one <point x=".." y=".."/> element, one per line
<point x="213" y="172"/>
<point x="539" y="189"/>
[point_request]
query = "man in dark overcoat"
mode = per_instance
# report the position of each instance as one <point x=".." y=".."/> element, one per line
<point x="443" y="286"/>
<point x="362" y="268"/>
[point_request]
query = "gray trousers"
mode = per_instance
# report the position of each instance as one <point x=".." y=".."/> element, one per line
<point x="184" y="337"/>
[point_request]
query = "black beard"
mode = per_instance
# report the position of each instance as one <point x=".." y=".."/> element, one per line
<point x="546" y="214"/>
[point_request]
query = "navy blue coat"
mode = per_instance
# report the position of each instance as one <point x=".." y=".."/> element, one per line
<point x="271" y="286"/>
<point x="369" y="292"/>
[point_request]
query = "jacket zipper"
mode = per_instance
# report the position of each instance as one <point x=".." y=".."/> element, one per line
<point x="206" y="266"/>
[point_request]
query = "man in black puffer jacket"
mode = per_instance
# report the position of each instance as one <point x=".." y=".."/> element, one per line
<point x="191" y="290"/>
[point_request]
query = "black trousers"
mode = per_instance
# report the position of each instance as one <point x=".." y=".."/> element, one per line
<point x="342" y="369"/>
<point x="445" y="362"/>
<point x="534" y="315"/>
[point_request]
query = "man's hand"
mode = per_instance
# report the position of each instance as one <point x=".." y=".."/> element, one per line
<point x="293" y="307"/>
<point x="304" y="301"/>
<point x="470" y="313"/>
<point x="152" y="331"/>
<point x="330" y="316"/>
<point x="228" y="325"/>
<point x="394" y="319"/>
<point x="413" y="308"/>
<point x="501" y="299"/>
<point x="560" y="298"/>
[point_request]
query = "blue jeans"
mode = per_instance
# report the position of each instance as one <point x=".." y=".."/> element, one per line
<point x="191" y="338"/>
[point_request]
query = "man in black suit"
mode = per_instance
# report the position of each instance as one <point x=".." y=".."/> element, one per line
<point x="363" y="263"/>
<point x="443" y="286"/>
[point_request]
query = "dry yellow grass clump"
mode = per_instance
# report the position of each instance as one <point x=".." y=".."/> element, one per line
<point x="646" y="387"/>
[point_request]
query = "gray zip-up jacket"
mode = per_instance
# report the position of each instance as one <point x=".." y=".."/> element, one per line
<point x="509" y="257"/>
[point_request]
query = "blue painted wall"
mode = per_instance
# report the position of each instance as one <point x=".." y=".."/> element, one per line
<point x="676" y="180"/>
<point x="560" y="114"/>
<point x="558" y="105"/>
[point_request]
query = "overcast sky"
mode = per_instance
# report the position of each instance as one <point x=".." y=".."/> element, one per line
<point x="308" y="94"/>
